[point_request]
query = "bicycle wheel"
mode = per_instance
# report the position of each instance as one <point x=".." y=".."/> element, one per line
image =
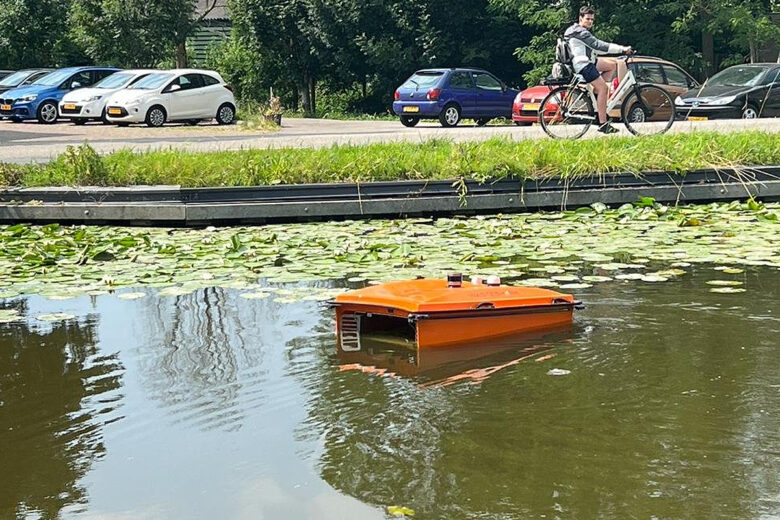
<point x="648" y="110"/>
<point x="567" y="113"/>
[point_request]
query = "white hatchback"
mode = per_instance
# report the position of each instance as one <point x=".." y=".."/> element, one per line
<point x="189" y="95"/>
<point x="84" y="104"/>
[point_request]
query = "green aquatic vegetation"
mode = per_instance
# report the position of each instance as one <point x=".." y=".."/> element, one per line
<point x="435" y="159"/>
<point x="569" y="249"/>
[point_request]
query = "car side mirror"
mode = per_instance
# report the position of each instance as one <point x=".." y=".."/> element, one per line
<point x="173" y="88"/>
<point x="75" y="85"/>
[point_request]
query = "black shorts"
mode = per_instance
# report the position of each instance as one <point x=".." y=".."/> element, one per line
<point x="590" y="73"/>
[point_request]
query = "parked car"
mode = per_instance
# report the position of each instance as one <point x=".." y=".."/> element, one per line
<point x="4" y="73"/>
<point x="451" y="95"/>
<point x="21" y="78"/>
<point x="188" y="95"/>
<point x="647" y="70"/>
<point x="741" y="91"/>
<point x="89" y="103"/>
<point x="39" y="99"/>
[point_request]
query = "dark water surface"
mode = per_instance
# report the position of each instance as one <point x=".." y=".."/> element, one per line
<point x="209" y="405"/>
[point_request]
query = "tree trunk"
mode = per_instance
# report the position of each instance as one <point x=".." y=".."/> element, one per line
<point x="181" y="55"/>
<point x="295" y="98"/>
<point x="305" y="94"/>
<point x="753" y="52"/>
<point x="313" y="90"/>
<point x="708" y="53"/>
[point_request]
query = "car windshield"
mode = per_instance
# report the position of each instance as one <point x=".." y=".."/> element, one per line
<point x="116" y="80"/>
<point x="54" y="78"/>
<point x="152" y="81"/>
<point x="737" y="77"/>
<point x="423" y="79"/>
<point x="15" y="78"/>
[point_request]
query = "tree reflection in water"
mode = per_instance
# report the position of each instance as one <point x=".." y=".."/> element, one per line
<point x="204" y="361"/>
<point x="50" y="423"/>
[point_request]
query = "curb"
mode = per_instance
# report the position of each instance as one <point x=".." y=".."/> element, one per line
<point x="176" y="206"/>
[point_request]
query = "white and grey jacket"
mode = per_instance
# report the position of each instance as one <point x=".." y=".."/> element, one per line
<point x="585" y="47"/>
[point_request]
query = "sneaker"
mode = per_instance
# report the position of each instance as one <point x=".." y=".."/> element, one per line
<point x="607" y="128"/>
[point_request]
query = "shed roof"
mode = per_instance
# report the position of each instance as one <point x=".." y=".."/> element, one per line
<point x="220" y="11"/>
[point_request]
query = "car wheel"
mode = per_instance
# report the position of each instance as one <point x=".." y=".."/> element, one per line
<point x="47" y="113"/>
<point x="409" y="121"/>
<point x="450" y="116"/>
<point x="482" y="121"/>
<point x="749" y="112"/>
<point x="104" y="118"/>
<point x="226" y="114"/>
<point x="155" y="117"/>
<point x="636" y="114"/>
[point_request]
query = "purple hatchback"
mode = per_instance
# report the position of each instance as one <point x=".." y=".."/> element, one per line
<point x="450" y="95"/>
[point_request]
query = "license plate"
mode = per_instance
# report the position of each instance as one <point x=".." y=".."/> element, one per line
<point x="531" y="106"/>
<point x="69" y="106"/>
<point x="411" y="109"/>
<point x="697" y="118"/>
<point x="114" y="111"/>
<point x="5" y="107"/>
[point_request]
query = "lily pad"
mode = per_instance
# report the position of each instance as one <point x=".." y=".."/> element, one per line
<point x="725" y="283"/>
<point x="131" y="296"/>
<point x="654" y="278"/>
<point x="57" y="316"/>
<point x="9" y="316"/>
<point x="576" y="286"/>
<point x="400" y="511"/>
<point x="727" y="290"/>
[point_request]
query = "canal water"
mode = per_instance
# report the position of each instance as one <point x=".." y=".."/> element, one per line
<point x="662" y="401"/>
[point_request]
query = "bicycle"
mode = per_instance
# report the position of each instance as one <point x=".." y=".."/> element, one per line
<point x="567" y="112"/>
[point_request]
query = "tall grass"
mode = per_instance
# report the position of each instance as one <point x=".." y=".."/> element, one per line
<point x="436" y="159"/>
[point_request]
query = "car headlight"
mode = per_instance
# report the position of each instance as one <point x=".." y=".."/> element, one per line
<point x="678" y="101"/>
<point x="723" y="100"/>
<point x="93" y="98"/>
<point x="30" y="97"/>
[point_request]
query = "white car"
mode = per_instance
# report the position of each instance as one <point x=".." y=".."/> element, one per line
<point x="175" y="95"/>
<point x="84" y="104"/>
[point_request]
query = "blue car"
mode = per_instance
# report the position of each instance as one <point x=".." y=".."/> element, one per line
<point x="451" y="95"/>
<point x="39" y="100"/>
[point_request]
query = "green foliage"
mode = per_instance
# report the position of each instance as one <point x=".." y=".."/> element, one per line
<point x="239" y="62"/>
<point x="346" y="56"/>
<point x="131" y="33"/>
<point x="33" y="33"/>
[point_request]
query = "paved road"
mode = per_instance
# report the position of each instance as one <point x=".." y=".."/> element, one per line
<point x="32" y="142"/>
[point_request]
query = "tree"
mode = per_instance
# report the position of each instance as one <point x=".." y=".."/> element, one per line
<point x="33" y="33"/>
<point x="136" y="33"/>
<point x="283" y="34"/>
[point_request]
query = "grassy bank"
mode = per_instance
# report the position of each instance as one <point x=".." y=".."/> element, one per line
<point x="496" y="158"/>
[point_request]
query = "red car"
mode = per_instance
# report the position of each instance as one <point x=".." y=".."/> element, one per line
<point x="525" y="109"/>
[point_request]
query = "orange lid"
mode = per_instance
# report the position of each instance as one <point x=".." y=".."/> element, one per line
<point x="433" y="295"/>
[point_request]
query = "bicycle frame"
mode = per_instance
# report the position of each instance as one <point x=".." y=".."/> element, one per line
<point x="616" y="98"/>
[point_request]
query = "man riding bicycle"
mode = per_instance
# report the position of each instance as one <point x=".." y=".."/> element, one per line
<point x="585" y="48"/>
